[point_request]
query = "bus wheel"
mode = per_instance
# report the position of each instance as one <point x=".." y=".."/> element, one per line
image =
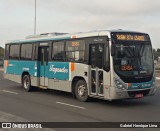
<point x="26" y="83"/>
<point x="81" y="91"/>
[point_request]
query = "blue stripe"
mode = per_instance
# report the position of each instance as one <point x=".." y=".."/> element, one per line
<point x="143" y="85"/>
<point x="54" y="70"/>
<point x="18" y="67"/>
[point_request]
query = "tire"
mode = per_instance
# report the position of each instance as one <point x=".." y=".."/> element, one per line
<point x="81" y="91"/>
<point x="26" y="83"/>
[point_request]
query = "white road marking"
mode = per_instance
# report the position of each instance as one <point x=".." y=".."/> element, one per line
<point x="158" y="78"/>
<point x="70" y="105"/>
<point x="10" y="92"/>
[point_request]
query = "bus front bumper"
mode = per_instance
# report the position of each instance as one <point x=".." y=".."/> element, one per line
<point x="116" y="93"/>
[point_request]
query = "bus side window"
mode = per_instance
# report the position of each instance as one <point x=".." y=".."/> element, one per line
<point x="58" y="51"/>
<point x="35" y="52"/>
<point x="75" y="50"/>
<point x="7" y="52"/>
<point x="26" y="51"/>
<point x="14" y="51"/>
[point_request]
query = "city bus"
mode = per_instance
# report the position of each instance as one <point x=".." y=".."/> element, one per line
<point x="105" y="64"/>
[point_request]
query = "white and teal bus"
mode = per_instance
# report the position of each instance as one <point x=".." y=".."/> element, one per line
<point x="107" y="64"/>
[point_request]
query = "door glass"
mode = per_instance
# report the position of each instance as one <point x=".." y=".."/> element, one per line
<point x="42" y="56"/>
<point x="96" y="62"/>
<point x="93" y="81"/>
<point x="96" y="55"/>
<point x="93" y="56"/>
<point x="46" y="55"/>
<point x="100" y="56"/>
<point x="100" y="91"/>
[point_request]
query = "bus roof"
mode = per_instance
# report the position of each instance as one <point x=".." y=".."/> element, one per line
<point x="63" y="36"/>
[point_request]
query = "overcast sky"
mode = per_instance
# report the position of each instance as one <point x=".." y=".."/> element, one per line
<point x="17" y="17"/>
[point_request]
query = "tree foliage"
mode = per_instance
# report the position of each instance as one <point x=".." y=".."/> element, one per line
<point x="1" y="53"/>
<point x="158" y="50"/>
<point x="156" y="53"/>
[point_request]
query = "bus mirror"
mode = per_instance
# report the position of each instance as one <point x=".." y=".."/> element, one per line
<point x="112" y="50"/>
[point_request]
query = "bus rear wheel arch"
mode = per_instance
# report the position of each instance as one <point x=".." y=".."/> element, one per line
<point x="81" y="91"/>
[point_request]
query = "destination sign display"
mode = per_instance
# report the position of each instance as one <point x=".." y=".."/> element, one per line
<point x="126" y="68"/>
<point x="75" y="43"/>
<point x="130" y="37"/>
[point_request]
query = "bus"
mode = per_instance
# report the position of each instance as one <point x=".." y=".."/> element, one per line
<point x="105" y="64"/>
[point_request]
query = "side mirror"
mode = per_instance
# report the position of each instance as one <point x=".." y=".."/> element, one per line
<point x="112" y="50"/>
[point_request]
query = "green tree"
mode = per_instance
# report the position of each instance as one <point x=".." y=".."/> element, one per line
<point x="1" y="53"/>
<point x="158" y="50"/>
<point x="154" y="50"/>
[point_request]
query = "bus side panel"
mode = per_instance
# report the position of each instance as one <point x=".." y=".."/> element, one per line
<point x="81" y="71"/>
<point x="16" y="68"/>
<point x="107" y="84"/>
<point x="35" y="77"/>
<point x="59" y="74"/>
<point x="58" y="70"/>
<point x="11" y="72"/>
<point x="59" y="85"/>
<point x="5" y="68"/>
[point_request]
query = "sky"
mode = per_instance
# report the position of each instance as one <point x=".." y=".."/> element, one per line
<point x="17" y="17"/>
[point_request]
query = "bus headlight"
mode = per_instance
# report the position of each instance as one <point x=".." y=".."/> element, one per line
<point x="119" y="85"/>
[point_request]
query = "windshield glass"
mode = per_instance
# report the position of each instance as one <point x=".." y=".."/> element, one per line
<point x="132" y="59"/>
<point x="132" y="56"/>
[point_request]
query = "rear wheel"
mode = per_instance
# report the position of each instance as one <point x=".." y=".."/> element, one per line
<point x="81" y="91"/>
<point x="26" y="83"/>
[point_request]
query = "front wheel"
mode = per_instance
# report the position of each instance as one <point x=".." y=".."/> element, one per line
<point x="81" y="90"/>
<point x="26" y="83"/>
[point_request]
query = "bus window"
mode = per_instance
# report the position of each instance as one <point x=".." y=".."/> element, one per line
<point x="75" y="50"/>
<point x="14" y="51"/>
<point x="58" y="51"/>
<point x="7" y="52"/>
<point x="26" y="51"/>
<point x="35" y="52"/>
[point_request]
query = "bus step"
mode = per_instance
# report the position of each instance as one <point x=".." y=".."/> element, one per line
<point x="43" y="87"/>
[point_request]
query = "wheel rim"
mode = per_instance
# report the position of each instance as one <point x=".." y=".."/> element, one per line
<point x="26" y="83"/>
<point x="82" y="91"/>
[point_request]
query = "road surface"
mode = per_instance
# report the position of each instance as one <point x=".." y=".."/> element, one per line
<point x="54" y="106"/>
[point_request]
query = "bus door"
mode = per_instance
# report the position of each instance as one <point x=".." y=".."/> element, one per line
<point x="96" y="52"/>
<point x="43" y="68"/>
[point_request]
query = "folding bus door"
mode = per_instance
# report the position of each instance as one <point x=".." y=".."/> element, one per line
<point x="43" y="68"/>
<point x="96" y="62"/>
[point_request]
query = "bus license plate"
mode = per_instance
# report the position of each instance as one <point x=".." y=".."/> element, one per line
<point x="139" y="95"/>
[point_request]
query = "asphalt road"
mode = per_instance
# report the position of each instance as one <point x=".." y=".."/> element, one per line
<point x="54" y="106"/>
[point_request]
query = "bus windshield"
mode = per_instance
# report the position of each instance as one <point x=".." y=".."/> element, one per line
<point x="133" y="59"/>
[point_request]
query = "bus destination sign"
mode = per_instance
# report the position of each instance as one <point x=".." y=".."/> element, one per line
<point x="130" y="37"/>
